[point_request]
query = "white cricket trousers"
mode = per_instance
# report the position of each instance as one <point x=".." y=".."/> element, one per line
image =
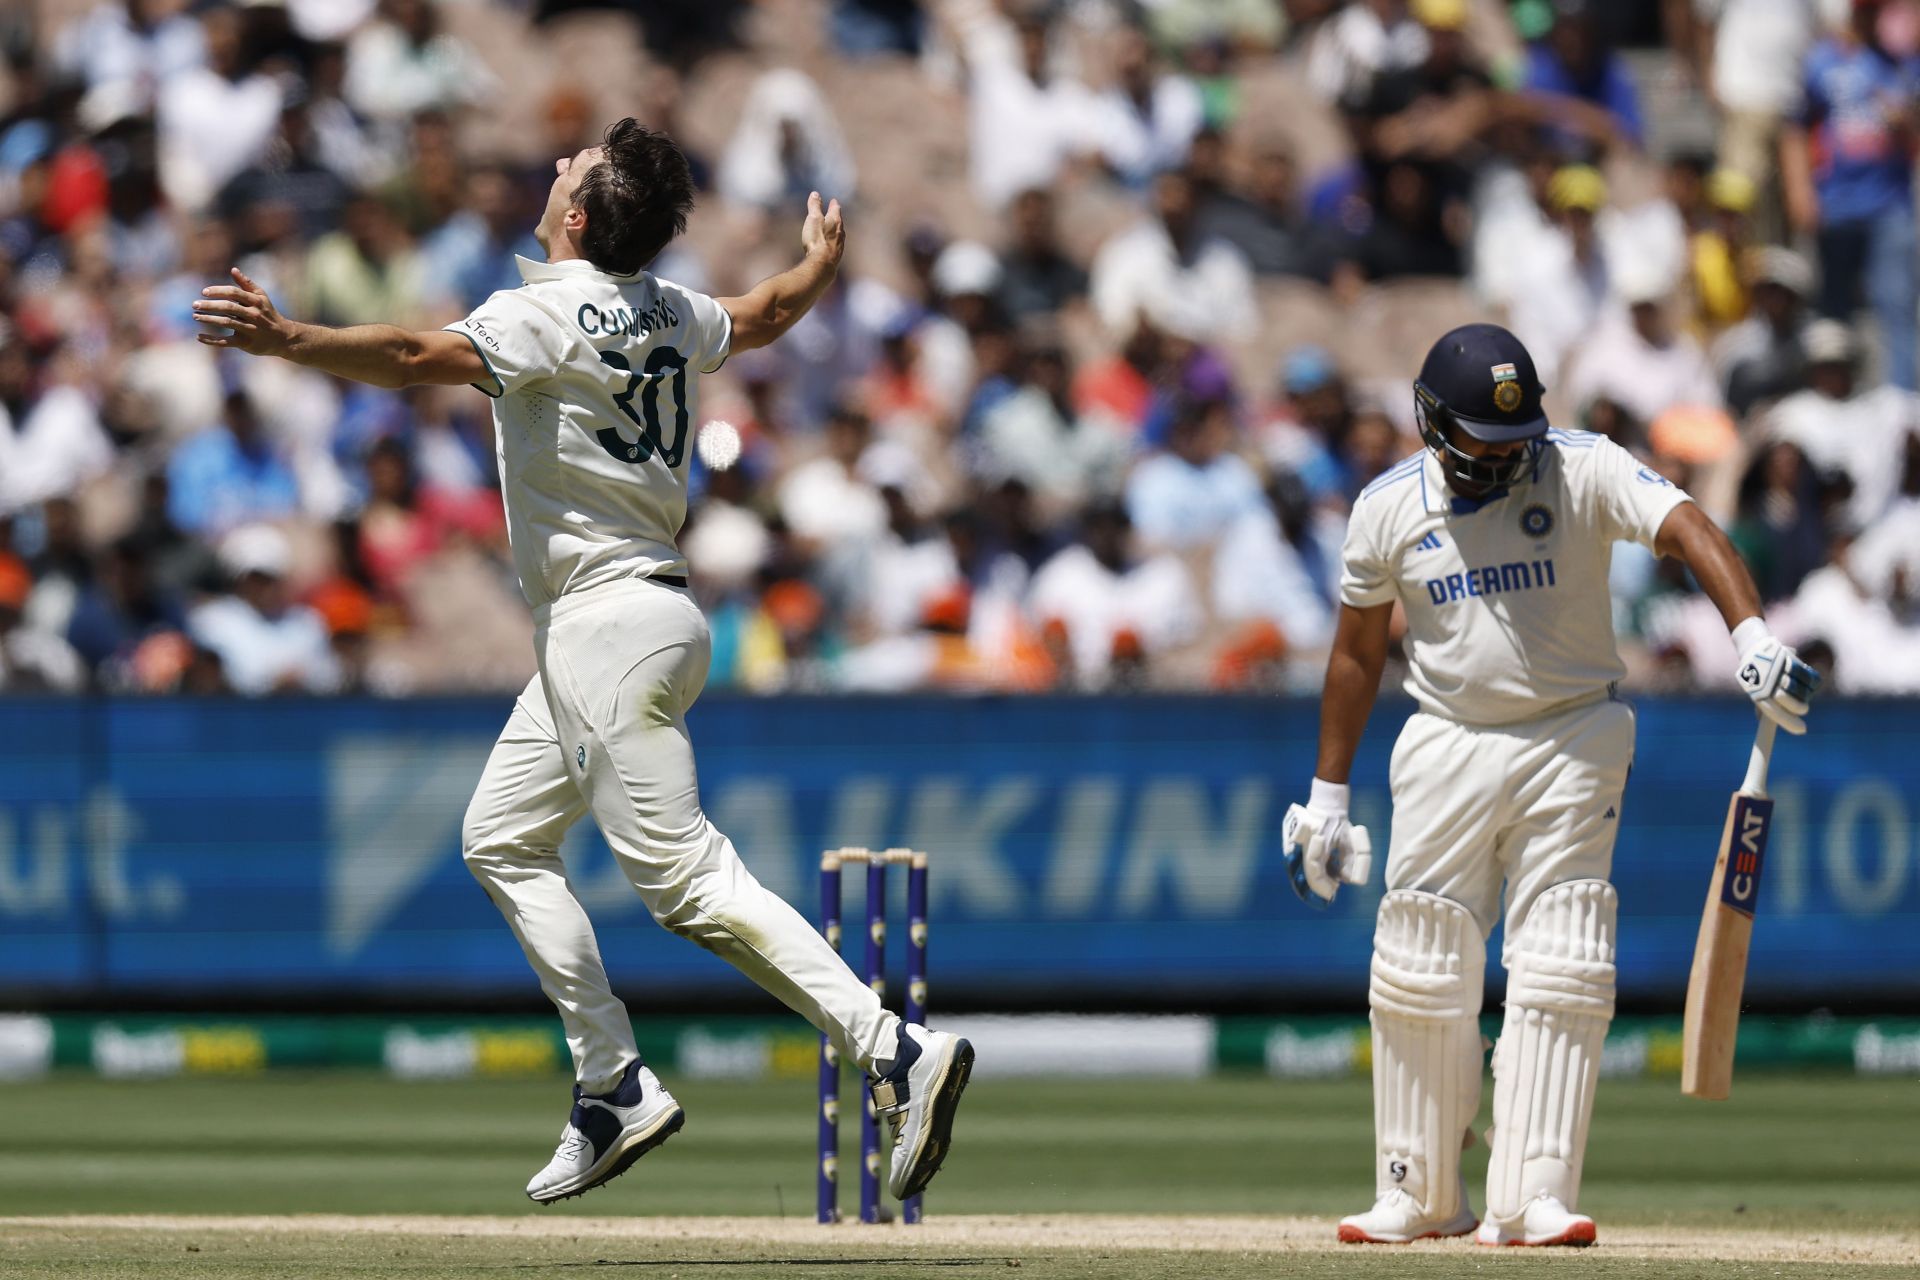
<point x="1532" y="805"/>
<point x="602" y="729"/>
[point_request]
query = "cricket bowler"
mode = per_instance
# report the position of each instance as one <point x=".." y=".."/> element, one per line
<point x="594" y="368"/>
<point x="1495" y="539"/>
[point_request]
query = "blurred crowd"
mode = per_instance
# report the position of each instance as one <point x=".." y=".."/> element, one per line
<point x="1135" y="294"/>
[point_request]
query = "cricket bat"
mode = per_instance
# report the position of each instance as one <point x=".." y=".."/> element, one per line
<point x="1720" y="957"/>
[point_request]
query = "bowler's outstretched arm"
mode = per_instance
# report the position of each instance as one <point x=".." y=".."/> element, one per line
<point x="776" y="304"/>
<point x="383" y="355"/>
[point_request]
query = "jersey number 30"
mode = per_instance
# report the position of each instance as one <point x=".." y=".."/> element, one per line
<point x="661" y="362"/>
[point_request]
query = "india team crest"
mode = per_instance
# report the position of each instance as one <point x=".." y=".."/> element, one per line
<point x="1506" y="387"/>
<point x="1536" y="521"/>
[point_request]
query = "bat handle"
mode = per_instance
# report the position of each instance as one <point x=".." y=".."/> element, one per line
<point x="1756" y="783"/>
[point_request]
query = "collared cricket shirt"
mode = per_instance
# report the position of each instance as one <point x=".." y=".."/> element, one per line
<point x="594" y="384"/>
<point x="1508" y="611"/>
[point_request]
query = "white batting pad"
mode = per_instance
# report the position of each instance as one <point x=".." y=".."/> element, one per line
<point x="1429" y="964"/>
<point x="1559" y="1001"/>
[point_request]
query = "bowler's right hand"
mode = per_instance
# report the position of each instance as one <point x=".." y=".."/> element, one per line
<point x="254" y="324"/>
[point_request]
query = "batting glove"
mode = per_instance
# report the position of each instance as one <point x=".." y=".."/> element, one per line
<point x="1774" y="677"/>
<point x="1323" y="849"/>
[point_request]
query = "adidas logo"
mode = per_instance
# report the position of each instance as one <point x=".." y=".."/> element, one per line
<point x="1429" y="543"/>
<point x="1609" y="813"/>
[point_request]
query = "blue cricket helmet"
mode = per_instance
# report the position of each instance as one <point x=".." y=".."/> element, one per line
<point x="1480" y="379"/>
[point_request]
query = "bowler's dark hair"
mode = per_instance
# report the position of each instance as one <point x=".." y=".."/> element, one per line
<point x="636" y="199"/>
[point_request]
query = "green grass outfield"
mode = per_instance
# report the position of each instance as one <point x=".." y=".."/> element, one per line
<point x="1824" y="1162"/>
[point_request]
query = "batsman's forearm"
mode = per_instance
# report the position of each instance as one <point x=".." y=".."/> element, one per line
<point x="1708" y="554"/>
<point x="382" y="355"/>
<point x="1345" y="703"/>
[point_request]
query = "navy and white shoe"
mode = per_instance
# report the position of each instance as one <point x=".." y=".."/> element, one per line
<point x="606" y="1133"/>
<point x="918" y="1097"/>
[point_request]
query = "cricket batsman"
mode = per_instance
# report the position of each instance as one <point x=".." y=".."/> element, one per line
<point x="594" y="367"/>
<point x="1495" y="539"/>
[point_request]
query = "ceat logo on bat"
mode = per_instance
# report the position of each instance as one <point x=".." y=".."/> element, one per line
<point x="1751" y="819"/>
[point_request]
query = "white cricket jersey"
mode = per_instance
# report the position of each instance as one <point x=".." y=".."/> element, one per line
<point x="1508" y="612"/>
<point x="594" y="390"/>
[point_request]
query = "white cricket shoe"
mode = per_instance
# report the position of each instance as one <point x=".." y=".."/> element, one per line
<point x="1544" y="1222"/>
<point x="1396" y="1219"/>
<point x="606" y="1133"/>
<point x="918" y="1098"/>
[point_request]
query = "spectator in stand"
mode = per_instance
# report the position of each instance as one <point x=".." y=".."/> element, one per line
<point x="1581" y="84"/>
<point x="1777" y="524"/>
<point x="1096" y="599"/>
<point x="471" y="256"/>
<point x="1637" y="358"/>
<point x="265" y="643"/>
<point x="1887" y="557"/>
<point x="1263" y="221"/>
<point x="1845" y="428"/>
<point x="1554" y="285"/>
<point x="1306" y="434"/>
<point x="368" y="272"/>
<point x="431" y="183"/>
<point x="230" y="474"/>
<point x="1280" y="563"/>
<point x="1411" y="229"/>
<point x="51" y="441"/>
<point x="1847" y="167"/>
<point x="133" y="44"/>
<point x="1026" y="120"/>
<point x="788" y="143"/>
<point x="1876" y="641"/>
<point x="290" y="188"/>
<point x="1373" y="445"/>
<point x="896" y="392"/>
<point x="1758" y="46"/>
<point x="1364" y="40"/>
<point x="395" y="534"/>
<point x="1189" y="495"/>
<point x="214" y="119"/>
<point x="32" y="658"/>
<point x="1036" y="437"/>
<point x="1166" y="259"/>
<point x="404" y="64"/>
<point x="1436" y="112"/>
<point x="1148" y="118"/>
<point x="826" y="502"/>
<point x="1037" y="277"/>
<point x="1717" y="251"/>
<point x="1118" y="390"/>
<point x="62" y="566"/>
<point x="1762" y="357"/>
<point x="119" y="611"/>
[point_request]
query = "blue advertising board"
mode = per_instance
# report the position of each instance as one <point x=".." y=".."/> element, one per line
<point x="1084" y="849"/>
